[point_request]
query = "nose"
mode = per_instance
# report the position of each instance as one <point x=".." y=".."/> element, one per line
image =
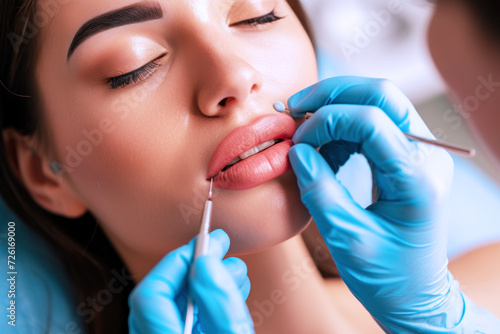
<point x="227" y="79"/>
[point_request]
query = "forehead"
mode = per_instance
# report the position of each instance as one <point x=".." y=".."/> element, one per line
<point x="57" y="21"/>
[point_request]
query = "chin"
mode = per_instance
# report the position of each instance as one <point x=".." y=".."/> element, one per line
<point x="262" y="217"/>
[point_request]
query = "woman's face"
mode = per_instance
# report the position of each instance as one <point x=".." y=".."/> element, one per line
<point x="136" y="106"/>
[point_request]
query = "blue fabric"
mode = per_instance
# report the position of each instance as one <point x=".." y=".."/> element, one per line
<point x="43" y="293"/>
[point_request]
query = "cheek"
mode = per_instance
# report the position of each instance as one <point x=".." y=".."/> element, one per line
<point x="127" y="162"/>
<point x="293" y="63"/>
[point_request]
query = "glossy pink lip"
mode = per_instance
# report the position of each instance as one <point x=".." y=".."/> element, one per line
<point x="259" y="168"/>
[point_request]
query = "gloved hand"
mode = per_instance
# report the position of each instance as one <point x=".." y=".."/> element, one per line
<point x="219" y="290"/>
<point x="391" y="255"/>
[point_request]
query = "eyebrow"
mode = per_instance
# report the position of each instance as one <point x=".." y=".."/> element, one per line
<point x="135" y="13"/>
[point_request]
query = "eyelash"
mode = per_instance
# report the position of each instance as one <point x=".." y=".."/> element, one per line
<point x="144" y="72"/>
<point x="138" y="75"/>
<point x="261" y="20"/>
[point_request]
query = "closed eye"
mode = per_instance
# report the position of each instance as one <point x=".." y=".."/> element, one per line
<point x="261" y="20"/>
<point x="135" y="76"/>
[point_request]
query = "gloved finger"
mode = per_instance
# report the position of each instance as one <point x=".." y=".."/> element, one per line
<point x="381" y="141"/>
<point x="219" y="244"/>
<point x="403" y="170"/>
<point x="319" y="188"/>
<point x="221" y="306"/>
<point x="361" y="91"/>
<point x="154" y="297"/>
<point x="238" y="270"/>
<point x="341" y="221"/>
<point x="180" y="259"/>
<point x="245" y="288"/>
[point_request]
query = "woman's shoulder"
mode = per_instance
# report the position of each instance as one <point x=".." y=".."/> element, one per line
<point x="37" y="289"/>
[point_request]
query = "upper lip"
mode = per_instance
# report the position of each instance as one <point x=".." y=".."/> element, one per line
<point x="242" y="139"/>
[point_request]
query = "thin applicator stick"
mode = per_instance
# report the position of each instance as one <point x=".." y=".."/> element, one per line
<point x="464" y="151"/>
<point x="201" y="249"/>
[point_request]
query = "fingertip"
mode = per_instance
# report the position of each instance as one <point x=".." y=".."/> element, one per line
<point x="236" y="266"/>
<point x="219" y="243"/>
<point x="294" y="104"/>
<point x="221" y="236"/>
<point x="299" y="148"/>
<point x="245" y="289"/>
<point x="304" y="160"/>
<point x="210" y="271"/>
<point x="295" y="155"/>
<point x="239" y="271"/>
<point x="293" y="100"/>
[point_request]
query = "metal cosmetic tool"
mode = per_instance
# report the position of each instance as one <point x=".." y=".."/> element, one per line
<point x="200" y="250"/>
<point x="464" y="151"/>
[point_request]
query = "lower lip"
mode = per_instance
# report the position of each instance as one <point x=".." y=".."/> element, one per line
<point x="256" y="170"/>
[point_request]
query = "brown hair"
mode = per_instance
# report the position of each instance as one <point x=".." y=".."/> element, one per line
<point x="86" y="252"/>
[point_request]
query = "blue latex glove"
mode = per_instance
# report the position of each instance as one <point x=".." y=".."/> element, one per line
<point x="219" y="290"/>
<point x="391" y="255"/>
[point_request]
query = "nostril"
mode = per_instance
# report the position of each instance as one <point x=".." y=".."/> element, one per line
<point x="223" y="102"/>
